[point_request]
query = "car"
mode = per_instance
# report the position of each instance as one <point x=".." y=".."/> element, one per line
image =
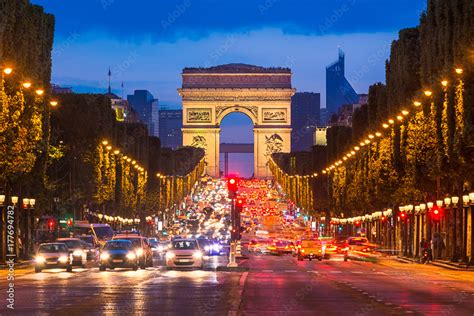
<point x="53" y="255"/>
<point x="118" y="253"/>
<point x="93" y="245"/>
<point x="79" y="250"/>
<point x="184" y="253"/>
<point x="280" y="247"/>
<point x="210" y="247"/>
<point x="141" y="246"/>
<point x="360" y="244"/>
<point x="158" y="247"/>
<point x="310" y="249"/>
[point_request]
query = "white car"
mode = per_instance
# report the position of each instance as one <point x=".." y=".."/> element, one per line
<point x="53" y="255"/>
<point x="184" y="253"/>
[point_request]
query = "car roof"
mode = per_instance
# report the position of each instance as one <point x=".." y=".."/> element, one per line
<point x="67" y="239"/>
<point x="127" y="236"/>
<point x="53" y="243"/>
<point x="119" y="240"/>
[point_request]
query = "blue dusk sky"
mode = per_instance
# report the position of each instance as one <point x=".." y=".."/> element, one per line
<point x="148" y="42"/>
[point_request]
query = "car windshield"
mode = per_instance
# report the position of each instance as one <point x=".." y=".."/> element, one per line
<point x="118" y="245"/>
<point x="52" y="248"/>
<point x="88" y="239"/>
<point x="73" y="244"/>
<point x="185" y="244"/>
<point x="135" y="242"/>
<point x="153" y="242"/>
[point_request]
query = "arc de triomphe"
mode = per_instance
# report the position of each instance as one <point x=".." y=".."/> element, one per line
<point x="263" y="94"/>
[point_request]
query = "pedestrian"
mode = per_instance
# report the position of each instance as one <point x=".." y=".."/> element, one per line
<point x="422" y="247"/>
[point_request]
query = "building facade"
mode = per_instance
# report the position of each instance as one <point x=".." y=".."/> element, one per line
<point x="171" y="123"/>
<point x="146" y="106"/>
<point x="305" y="117"/>
<point x="338" y="90"/>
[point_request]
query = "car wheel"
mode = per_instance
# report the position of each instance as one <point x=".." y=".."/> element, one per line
<point x="69" y="268"/>
<point x="345" y="258"/>
<point x="135" y="268"/>
<point x="37" y="269"/>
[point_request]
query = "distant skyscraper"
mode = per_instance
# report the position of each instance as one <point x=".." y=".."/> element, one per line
<point x="338" y="90"/>
<point x="305" y="116"/>
<point x="146" y="106"/>
<point x="171" y="122"/>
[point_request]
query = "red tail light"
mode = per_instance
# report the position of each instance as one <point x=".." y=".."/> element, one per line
<point x="302" y="250"/>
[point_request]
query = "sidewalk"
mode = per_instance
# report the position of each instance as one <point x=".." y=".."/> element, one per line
<point x="438" y="263"/>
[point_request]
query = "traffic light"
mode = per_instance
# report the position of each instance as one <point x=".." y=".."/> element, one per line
<point x="69" y="222"/>
<point x="403" y="216"/>
<point x="436" y="214"/>
<point x="232" y="186"/>
<point x="51" y="224"/>
<point x="239" y="203"/>
<point x="383" y="219"/>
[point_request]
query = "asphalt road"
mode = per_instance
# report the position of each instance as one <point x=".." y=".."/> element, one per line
<point x="273" y="285"/>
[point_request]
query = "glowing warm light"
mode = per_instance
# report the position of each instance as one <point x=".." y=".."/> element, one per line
<point x="417" y="103"/>
<point x="104" y="142"/>
<point x="353" y="152"/>
<point x="362" y="144"/>
<point x="109" y="147"/>
<point x="39" y="92"/>
<point x="385" y="125"/>
<point x="7" y="70"/>
<point x="324" y="171"/>
<point x="391" y="121"/>
<point x="367" y="141"/>
<point x="400" y="118"/>
<point x="378" y="134"/>
<point x="345" y="158"/>
<point x="26" y="85"/>
<point x="405" y="112"/>
<point x="128" y="159"/>
<point x="371" y="136"/>
<point x="116" y="152"/>
<point x="356" y="148"/>
<point x="428" y="93"/>
<point x="444" y="83"/>
<point x="459" y="71"/>
<point x="134" y="162"/>
<point x="53" y="103"/>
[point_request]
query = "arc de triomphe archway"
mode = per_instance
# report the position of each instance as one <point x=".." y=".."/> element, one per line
<point x="263" y="94"/>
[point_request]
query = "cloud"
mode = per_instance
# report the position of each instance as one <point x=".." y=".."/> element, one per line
<point x="156" y="66"/>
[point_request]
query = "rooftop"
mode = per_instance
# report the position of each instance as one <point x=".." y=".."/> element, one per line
<point x="236" y="68"/>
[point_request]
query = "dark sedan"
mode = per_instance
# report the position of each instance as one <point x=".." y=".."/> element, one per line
<point x="118" y="253"/>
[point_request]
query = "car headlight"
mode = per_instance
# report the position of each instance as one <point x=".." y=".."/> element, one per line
<point x="63" y="259"/>
<point x="131" y="256"/>
<point x="40" y="259"/>
<point x="207" y="248"/>
<point x="139" y="252"/>
<point x="160" y="248"/>
<point x="170" y="255"/>
<point x="104" y="256"/>
<point x="197" y="255"/>
<point x="77" y="253"/>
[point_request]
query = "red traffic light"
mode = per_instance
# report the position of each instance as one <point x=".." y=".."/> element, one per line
<point x="51" y="224"/>
<point x="240" y="202"/>
<point x="69" y="222"/>
<point x="232" y="185"/>
<point x="383" y="218"/>
<point x="403" y="215"/>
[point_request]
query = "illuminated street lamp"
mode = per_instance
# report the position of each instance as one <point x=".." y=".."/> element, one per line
<point x="439" y="203"/>
<point x="430" y="205"/>
<point x="444" y="83"/>
<point x="7" y="70"/>
<point x="53" y="103"/>
<point x="428" y="93"/>
<point x="459" y="71"/>
<point x="416" y="103"/>
<point x="39" y="91"/>
<point x="14" y="200"/>
<point x="26" y="85"/>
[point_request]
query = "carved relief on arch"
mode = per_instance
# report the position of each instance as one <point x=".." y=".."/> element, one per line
<point x="251" y="111"/>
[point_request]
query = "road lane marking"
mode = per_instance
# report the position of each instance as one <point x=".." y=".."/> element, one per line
<point x="238" y="300"/>
<point x="357" y="272"/>
<point x="290" y="271"/>
<point x="311" y="271"/>
<point x="335" y="272"/>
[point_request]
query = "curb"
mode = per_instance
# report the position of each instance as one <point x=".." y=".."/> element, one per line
<point x="17" y="265"/>
<point x="436" y="264"/>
